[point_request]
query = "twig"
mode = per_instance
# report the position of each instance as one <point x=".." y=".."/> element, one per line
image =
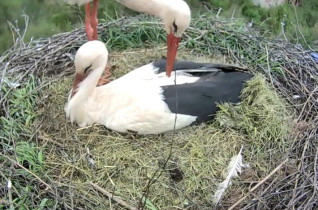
<point x="111" y="196"/>
<point x="219" y="11"/>
<point x="307" y="101"/>
<point x="44" y="139"/>
<point x="315" y="181"/>
<point x="27" y="170"/>
<point x="259" y="184"/>
<point x="268" y="66"/>
<point x="297" y="176"/>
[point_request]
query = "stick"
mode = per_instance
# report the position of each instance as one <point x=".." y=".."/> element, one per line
<point x="21" y="166"/>
<point x="43" y="138"/>
<point x="297" y="177"/>
<point x="111" y="196"/>
<point x="259" y="184"/>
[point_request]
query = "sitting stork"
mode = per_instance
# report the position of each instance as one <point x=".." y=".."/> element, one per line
<point x="144" y="100"/>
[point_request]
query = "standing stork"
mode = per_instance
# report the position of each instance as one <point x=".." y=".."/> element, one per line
<point x="145" y="100"/>
<point x="176" y="18"/>
<point x="175" y="14"/>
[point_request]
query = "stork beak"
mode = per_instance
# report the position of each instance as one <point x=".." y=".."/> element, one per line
<point x="172" y="45"/>
<point x="78" y="78"/>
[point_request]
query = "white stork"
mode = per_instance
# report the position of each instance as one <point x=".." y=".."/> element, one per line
<point x="175" y="14"/>
<point x="145" y="100"/>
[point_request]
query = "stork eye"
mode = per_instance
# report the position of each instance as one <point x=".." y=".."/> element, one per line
<point x="175" y="27"/>
<point x="87" y="68"/>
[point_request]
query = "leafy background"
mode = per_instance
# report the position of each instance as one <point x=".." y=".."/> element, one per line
<point x="48" y="17"/>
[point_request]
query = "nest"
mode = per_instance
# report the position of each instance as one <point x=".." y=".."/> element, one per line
<point x="79" y="161"/>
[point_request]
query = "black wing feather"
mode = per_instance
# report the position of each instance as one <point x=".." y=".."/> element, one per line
<point x="185" y="65"/>
<point x="201" y="98"/>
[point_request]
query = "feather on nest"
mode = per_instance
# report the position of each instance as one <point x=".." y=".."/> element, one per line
<point x="233" y="170"/>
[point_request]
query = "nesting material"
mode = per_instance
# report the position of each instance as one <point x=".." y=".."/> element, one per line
<point x="124" y="163"/>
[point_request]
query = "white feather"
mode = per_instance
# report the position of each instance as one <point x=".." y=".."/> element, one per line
<point x="233" y="170"/>
<point x="9" y="184"/>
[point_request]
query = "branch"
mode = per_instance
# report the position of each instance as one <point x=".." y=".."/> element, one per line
<point x="259" y="184"/>
<point x="33" y="174"/>
<point x="111" y="196"/>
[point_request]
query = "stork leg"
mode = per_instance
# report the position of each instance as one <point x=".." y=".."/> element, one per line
<point x="88" y="25"/>
<point x="91" y="22"/>
<point x="104" y="79"/>
<point x="94" y="20"/>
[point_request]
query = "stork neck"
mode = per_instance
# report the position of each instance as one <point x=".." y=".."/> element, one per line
<point x="87" y="86"/>
<point x="151" y="7"/>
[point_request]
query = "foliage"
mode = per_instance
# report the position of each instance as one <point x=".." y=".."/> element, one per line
<point x="293" y="20"/>
<point x="224" y="4"/>
<point x="133" y="36"/>
<point x="20" y="110"/>
<point x="51" y="17"/>
<point x="16" y="122"/>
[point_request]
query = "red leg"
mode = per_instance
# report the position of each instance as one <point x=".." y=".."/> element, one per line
<point x="94" y="20"/>
<point x="88" y="26"/>
<point x="104" y="79"/>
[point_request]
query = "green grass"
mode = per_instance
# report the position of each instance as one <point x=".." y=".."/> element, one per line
<point x="48" y="17"/>
<point x="20" y="112"/>
<point x="144" y="35"/>
<point x="299" y="21"/>
<point x="17" y="122"/>
<point x="261" y="116"/>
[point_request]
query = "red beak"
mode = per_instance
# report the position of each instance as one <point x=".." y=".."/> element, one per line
<point x="172" y="45"/>
<point x="78" y="78"/>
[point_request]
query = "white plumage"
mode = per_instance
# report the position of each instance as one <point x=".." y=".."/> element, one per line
<point x="133" y="102"/>
<point x="144" y="100"/>
<point x="170" y="11"/>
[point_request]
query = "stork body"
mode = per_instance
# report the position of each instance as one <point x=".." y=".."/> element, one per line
<point x="145" y="100"/>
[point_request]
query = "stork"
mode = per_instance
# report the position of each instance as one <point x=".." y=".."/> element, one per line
<point x="175" y="14"/>
<point x="144" y="100"/>
<point x="91" y="20"/>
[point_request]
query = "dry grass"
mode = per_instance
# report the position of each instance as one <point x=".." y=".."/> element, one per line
<point x="124" y="163"/>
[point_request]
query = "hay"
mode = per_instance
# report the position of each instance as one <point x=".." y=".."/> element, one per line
<point x="124" y="164"/>
<point x="268" y="125"/>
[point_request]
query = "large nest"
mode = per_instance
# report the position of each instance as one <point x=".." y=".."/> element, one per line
<point x="283" y="159"/>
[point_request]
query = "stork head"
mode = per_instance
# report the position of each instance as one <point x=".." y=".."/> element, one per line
<point x="90" y="56"/>
<point x="176" y="19"/>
